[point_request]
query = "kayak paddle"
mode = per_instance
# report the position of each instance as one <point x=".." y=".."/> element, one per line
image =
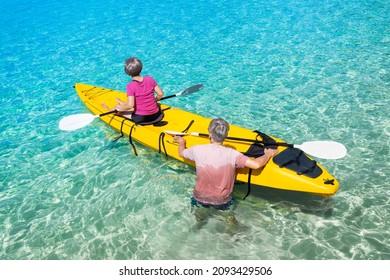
<point x="319" y="149"/>
<point x="77" y="121"/>
<point x="189" y="90"/>
<point x="73" y="122"/>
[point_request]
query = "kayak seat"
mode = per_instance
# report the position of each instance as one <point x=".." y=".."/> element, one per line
<point x="255" y="150"/>
<point x="296" y="160"/>
<point x="156" y="122"/>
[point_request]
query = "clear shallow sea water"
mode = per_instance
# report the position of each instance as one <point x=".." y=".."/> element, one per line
<point x="299" y="70"/>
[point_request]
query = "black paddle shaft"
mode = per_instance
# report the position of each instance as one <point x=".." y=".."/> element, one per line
<point x="107" y="113"/>
<point x="253" y="141"/>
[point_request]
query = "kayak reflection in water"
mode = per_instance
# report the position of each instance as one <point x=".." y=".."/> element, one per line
<point x="216" y="170"/>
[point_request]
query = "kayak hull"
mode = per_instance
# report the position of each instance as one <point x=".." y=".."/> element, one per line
<point x="153" y="136"/>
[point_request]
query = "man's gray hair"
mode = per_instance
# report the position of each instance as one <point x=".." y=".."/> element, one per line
<point x="219" y="128"/>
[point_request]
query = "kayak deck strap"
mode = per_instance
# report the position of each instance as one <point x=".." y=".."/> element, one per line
<point x="132" y="127"/>
<point x="131" y="140"/>
<point x="188" y="126"/>
<point x="120" y="136"/>
<point x="161" y="143"/>
<point x="249" y="183"/>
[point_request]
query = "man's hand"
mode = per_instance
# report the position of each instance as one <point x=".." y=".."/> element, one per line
<point x="182" y="144"/>
<point x="270" y="152"/>
<point x="180" y="140"/>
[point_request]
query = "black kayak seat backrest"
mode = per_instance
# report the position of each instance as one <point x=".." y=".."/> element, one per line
<point x="160" y="117"/>
<point x="255" y="150"/>
<point x="296" y="160"/>
<point x="127" y="115"/>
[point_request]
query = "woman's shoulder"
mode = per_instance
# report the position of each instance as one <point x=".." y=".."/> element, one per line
<point x="130" y="85"/>
<point x="149" y="80"/>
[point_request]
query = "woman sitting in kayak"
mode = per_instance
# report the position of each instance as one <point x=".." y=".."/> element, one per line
<point x="140" y="95"/>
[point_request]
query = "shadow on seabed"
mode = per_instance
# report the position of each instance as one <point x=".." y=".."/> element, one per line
<point x="282" y="199"/>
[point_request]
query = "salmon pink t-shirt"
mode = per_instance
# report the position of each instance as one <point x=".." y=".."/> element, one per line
<point x="216" y="171"/>
<point x="143" y="92"/>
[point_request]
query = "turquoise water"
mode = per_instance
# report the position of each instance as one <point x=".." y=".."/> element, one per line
<point x="299" y="70"/>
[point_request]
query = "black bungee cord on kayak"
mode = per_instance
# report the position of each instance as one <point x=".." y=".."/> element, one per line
<point x="161" y="143"/>
<point x="249" y="183"/>
<point x="121" y="130"/>
<point x="158" y="121"/>
<point x="122" y="134"/>
<point x="162" y="135"/>
<point x="131" y="140"/>
<point x="188" y="126"/>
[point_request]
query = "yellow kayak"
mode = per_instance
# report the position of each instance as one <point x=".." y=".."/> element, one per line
<point x="290" y="169"/>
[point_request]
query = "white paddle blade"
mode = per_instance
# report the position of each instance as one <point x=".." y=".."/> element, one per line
<point x="73" y="122"/>
<point x="324" y="149"/>
<point x="173" y="133"/>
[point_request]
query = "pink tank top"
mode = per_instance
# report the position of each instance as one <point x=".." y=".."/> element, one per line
<point x="143" y="92"/>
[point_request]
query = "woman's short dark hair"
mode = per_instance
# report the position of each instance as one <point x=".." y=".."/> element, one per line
<point x="219" y="128"/>
<point x="133" y="66"/>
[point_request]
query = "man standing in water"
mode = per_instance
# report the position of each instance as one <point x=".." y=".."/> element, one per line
<point x="216" y="167"/>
